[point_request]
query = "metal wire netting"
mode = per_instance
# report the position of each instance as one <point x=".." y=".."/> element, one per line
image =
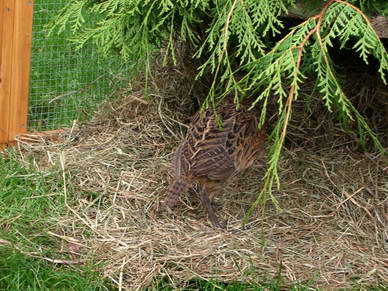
<point x="66" y="84"/>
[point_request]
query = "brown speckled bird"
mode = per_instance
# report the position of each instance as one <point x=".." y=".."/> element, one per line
<point x="212" y="153"/>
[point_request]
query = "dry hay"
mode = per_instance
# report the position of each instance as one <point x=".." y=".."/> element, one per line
<point x="332" y="230"/>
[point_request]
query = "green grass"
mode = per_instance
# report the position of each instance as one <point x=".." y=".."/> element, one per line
<point x="19" y="272"/>
<point x="66" y="84"/>
<point x="27" y="199"/>
<point x="30" y="202"/>
<point x="273" y="285"/>
<point x="214" y="285"/>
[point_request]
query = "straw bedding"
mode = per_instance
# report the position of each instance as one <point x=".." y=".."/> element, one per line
<point x="332" y="229"/>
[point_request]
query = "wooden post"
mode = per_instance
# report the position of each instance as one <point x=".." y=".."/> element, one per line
<point x="15" y="56"/>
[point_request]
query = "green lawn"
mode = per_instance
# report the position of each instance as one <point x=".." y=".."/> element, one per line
<point x="30" y="202"/>
<point x="201" y="284"/>
<point x="20" y="272"/>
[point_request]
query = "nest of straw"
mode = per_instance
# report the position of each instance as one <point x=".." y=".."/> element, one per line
<point x="332" y="230"/>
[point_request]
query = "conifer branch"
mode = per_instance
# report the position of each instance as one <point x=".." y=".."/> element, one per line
<point x="226" y="34"/>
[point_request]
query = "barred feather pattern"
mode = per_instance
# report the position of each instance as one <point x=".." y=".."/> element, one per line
<point x="212" y="153"/>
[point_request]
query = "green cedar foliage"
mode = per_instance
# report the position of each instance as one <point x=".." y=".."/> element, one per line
<point x="230" y="34"/>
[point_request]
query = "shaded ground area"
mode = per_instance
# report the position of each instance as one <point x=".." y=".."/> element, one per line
<point x="331" y="232"/>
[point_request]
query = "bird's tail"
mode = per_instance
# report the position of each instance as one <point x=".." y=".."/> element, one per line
<point x="178" y="186"/>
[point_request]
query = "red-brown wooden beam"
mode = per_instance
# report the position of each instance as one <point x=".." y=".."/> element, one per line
<point x="15" y="58"/>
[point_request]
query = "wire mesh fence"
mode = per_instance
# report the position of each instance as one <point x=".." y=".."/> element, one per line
<point x="65" y="84"/>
